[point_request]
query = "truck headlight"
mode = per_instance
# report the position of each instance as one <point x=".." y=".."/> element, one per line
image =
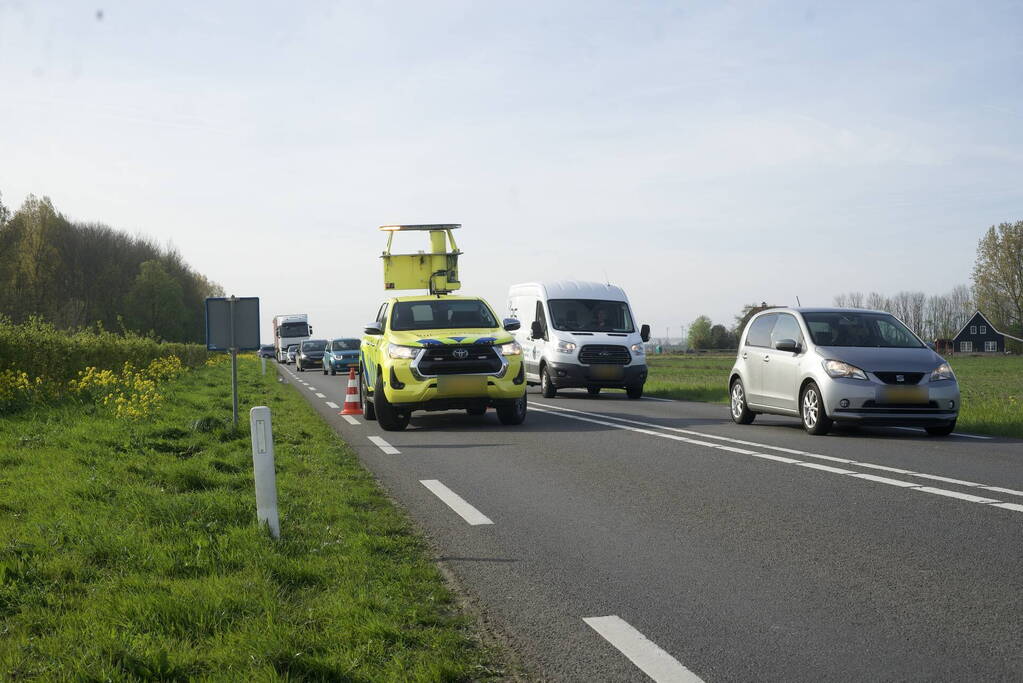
<point x="510" y="349"/>
<point x="564" y="346"/>
<point x="406" y="352"/>
<point x="943" y="371"/>
<point x="836" y="368"/>
<point x="638" y="350"/>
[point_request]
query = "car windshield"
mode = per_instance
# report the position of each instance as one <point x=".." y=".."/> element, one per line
<point x="345" y="345"/>
<point x="314" y="345"/>
<point x="441" y="314"/>
<point x="293" y="348"/>
<point x="293" y="330"/>
<point x="845" y="328"/>
<point x="590" y="315"/>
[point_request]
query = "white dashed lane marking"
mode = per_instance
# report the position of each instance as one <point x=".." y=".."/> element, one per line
<point x="641" y="651"/>
<point x="319" y="395"/>
<point x="331" y="404"/>
<point x="350" y="420"/>
<point x="456" y="502"/>
<point x="384" y="446"/>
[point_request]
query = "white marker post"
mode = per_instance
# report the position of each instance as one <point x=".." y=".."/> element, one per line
<point x="263" y="469"/>
<point x="263" y="358"/>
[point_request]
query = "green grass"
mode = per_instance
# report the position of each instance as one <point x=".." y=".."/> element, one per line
<point x="991" y="386"/>
<point x="131" y="552"/>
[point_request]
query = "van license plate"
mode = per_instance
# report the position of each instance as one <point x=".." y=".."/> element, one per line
<point x="904" y="395"/>
<point x="461" y="385"/>
<point x="606" y="372"/>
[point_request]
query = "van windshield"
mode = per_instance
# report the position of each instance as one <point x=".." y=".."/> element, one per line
<point x="590" y="315"/>
<point x="442" y="314"/>
<point x="859" y="329"/>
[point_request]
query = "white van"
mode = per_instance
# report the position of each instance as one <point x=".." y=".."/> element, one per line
<point x="579" y="334"/>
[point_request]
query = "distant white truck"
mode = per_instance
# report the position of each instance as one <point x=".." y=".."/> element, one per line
<point x="288" y="330"/>
<point x="579" y="334"/>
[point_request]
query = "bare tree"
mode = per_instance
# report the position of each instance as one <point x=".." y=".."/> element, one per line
<point x="855" y="299"/>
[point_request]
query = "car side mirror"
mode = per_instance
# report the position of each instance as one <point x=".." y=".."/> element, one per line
<point x="373" y="328"/>
<point x="790" y="345"/>
<point x="511" y="324"/>
<point x="644" y="333"/>
<point x="536" y="330"/>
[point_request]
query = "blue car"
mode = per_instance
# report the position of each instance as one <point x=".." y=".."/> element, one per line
<point x="340" y="355"/>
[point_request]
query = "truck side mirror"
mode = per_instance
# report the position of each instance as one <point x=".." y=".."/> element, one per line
<point x="511" y="324"/>
<point x="372" y="328"/>
<point x="536" y="330"/>
<point x="644" y="333"/>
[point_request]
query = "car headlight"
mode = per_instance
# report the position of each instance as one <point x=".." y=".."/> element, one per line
<point x="564" y="346"/>
<point x="943" y="371"/>
<point x="638" y="350"/>
<point x="510" y="349"/>
<point x="406" y="352"/>
<point x="836" y="368"/>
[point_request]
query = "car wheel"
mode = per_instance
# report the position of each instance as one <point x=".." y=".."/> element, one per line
<point x="815" y="418"/>
<point x="324" y="369"/>
<point x="389" y="419"/>
<point x="942" y="430"/>
<point x="741" y="414"/>
<point x="332" y="372"/>
<point x="369" y="410"/>
<point x="593" y="391"/>
<point x="547" y="387"/>
<point x="513" y="413"/>
<point x="634" y="391"/>
<point x="476" y="411"/>
<point x="298" y="364"/>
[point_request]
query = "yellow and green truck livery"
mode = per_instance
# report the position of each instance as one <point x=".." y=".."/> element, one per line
<point x="440" y="352"/>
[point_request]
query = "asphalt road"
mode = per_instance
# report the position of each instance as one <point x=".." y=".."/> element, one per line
<point x="617" y="540"/>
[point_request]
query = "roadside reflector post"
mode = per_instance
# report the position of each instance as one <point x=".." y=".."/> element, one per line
<point x="263" y="469"/>
<point x="263" y="358"/>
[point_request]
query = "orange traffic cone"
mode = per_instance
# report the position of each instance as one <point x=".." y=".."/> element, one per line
<point x="353" y="405"/>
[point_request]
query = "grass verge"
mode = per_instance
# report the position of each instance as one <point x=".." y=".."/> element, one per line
<point x="130" y="551"/>
<point x="991" y="386"/>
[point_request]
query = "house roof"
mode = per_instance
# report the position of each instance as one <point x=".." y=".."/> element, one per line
<point x="993" y="328"/>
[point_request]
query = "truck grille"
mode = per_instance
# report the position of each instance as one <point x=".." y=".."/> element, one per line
<point x="604" y="354"/>
<point x="442" y="360"/>
<point x="893" y="377"/>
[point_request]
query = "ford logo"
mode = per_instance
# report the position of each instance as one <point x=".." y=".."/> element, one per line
<point x="460" y="354"/>
<point x="900" y="378"/>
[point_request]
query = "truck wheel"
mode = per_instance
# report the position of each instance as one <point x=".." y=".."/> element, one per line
<point x="513" y="413"/>
<point x="547" y="387"/>
<point x="593" y="391"/>
<point x="369" y="410"/>
<point x="389" y="419"/>
<point x="634" y="391"/>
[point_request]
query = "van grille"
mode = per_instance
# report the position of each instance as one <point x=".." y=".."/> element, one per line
<point x="442" y="360"/>
<point x="604" y="354"/>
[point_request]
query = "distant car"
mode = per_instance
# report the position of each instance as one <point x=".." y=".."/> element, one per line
<point x="310" y="354"/>
<point x="341" y="355"/>
<point x="290" y="354"/>
<point x="829" y="365"/>
<point x="266" y="351"/>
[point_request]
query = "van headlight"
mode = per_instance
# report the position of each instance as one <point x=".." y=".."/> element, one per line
<point x="564" y="346"/>
<point x="836" y="368"/>
<point x="943" y="371"/>
<point x="638" y="350"/>
<point x="510" y="349"/>
<point x="406" y="352"/>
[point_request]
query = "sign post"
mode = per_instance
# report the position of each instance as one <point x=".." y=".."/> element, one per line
<point x="232" y="324"/>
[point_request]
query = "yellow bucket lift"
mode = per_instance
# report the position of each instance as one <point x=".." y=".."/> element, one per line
<point x="436" y="270"/>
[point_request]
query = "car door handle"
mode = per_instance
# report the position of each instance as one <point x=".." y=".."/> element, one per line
<point x="767" y="359"/>
<point x="744" y="355"/>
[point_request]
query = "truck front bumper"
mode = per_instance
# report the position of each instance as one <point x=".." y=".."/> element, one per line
<point x="452" y="392"/>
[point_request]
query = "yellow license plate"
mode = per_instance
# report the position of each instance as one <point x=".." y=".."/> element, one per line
<point x="461" y="385"/>
<point x="606" y="372"/>
<point x="904" y="395"/>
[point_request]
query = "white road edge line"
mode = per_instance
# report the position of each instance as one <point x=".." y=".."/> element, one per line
<point x="456" y="502"/>
<point x="331" y="404"/>
<point x="965" y="436"/>
<point x="384" y="446"/>
<point x="790" y="461"/>
<point x="641" y="651"/>
<point x="793" y="451"/>
<point x="350" y="420"/>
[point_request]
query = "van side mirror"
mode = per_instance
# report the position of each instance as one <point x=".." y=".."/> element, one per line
<point x="372" y="328"/>
<point x="790" y="345"/>
<point x="536" y="330"/>
<point x="511" y="324"/>
<point x="644" y="333"/>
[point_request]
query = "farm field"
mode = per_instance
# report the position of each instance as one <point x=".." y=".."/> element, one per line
<point x="991" y="386"/>
<point x="130" y="550"/>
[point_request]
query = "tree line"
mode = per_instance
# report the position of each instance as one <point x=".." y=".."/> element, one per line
<point x="76" y="274"/>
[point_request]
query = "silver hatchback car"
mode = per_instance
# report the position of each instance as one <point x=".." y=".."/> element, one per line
<point x="843" y="365"/>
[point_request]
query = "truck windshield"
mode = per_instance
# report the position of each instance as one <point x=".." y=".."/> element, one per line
<point x="441" y="314"/>
<point x="293" y="330"/>
<point x="859" y="329"/>
<point x="590" y="315"/>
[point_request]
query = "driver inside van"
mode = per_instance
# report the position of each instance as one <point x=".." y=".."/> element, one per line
<point x="600" y="321"/>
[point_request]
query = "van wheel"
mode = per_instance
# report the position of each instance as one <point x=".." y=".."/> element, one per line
<point x="942" y="430"/>
<point x="369" y="410"/>
<point x="389" y="419"/>
<point x="547" y="387"/>
<point x="815" y="419"/>
<point x="634" y="391"/>
<point x="593" y="391"/>
<point x="741" y="414"/>
<point x="513" y="413"/>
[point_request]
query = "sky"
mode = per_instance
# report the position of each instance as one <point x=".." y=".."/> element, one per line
<point x="700" y="155"/>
